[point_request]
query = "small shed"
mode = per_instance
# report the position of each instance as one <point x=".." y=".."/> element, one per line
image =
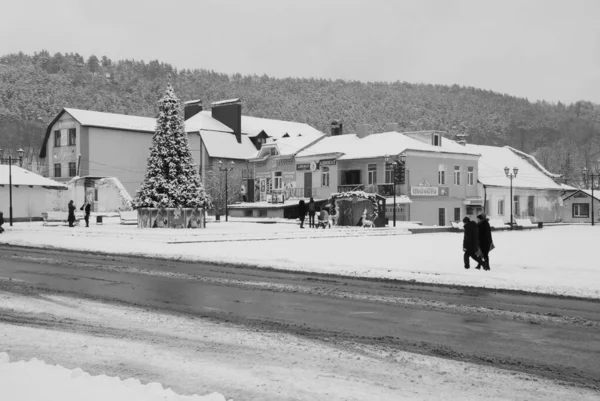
<point x="352" y="208"/>
<point x="577" y="206"/>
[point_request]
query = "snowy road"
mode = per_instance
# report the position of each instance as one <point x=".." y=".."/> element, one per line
<point x="554" y="338"/>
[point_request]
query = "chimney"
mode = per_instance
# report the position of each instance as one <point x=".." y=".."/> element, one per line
<point x="229" y="112"/>
<point x="461" y="139"/>
<point x="389" y="127"/>
<point x="191" y="108"/>
<point x="336" y="128"/>
<point x="363" y="130"/>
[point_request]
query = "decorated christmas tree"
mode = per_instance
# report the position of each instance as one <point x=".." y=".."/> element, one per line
<point x="171" y="180"/>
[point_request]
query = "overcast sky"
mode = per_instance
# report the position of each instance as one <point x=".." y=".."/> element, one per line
<point x="539" y="49"/>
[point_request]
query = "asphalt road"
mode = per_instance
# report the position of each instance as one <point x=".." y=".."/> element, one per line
<point x="553" y="337"/>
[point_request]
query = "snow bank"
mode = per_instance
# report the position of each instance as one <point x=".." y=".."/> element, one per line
<point x="36" y="380"/>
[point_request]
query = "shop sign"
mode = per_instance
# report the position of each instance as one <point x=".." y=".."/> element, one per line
<point x="424" y="191"/>
<point x="261" y="164"/>
<point x="287" y="175"/>
<point x="263" y="174"/>
<point x="473" y="202"/>
<point x="303" y="167"/>
<point x="284" y="163"/>
<point x="444" y="191"/>
<point x="328" y="162"/>
<point x="314" y="166"/>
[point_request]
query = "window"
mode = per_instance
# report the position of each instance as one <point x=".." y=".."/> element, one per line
<point x="389" y="173"/>
<point x="278" y="180"/>
<point x="372" y="174"/>
<point x="56" y="139"/>
<point x="501" y="207"/>
<point x="57" y="170"/>
<point x="437" y="140"/>
<point x="456" y="214"/>
<point x="442" y="174"/>
<point x="325" y="177"/>
<point x="273" y="151"/>
<point x="530" y="206"/>
<point x="456" y="175"/>
<point x="72" y="169"/>
<point x="72" y="134"/>
<point x="581" y="210"/>
<point x="470" y="175"/>
<point x="516" y="210"/>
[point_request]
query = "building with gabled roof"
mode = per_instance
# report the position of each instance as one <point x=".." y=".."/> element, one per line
<point x="32" y="194"/>
<point x="580" y="205"/>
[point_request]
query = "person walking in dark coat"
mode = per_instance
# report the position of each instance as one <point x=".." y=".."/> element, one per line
<point x="302" y="212"/>
<point x="87" y="209"/>
<point x="71" y="217"/>
<point x="1" y="222"/>
<point x="485" y="239"/>
<point x="471" y="242"/>
<point x="312" y="210"/>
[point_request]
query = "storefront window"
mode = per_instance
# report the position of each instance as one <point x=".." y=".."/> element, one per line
<point x="278" y="180"/>
<point x="325" y="177"/>
<point x="581" y="210"/>
<point x="501" y="207"/>
<point x="372" y="174"/>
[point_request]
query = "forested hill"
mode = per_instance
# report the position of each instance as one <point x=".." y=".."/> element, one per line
<point x="34" y="88"/>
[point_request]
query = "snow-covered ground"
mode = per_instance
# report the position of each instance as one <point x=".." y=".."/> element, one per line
<point x="555" y="260"/>
<point x="36" y="380"/>
<point x="197" y="356"/>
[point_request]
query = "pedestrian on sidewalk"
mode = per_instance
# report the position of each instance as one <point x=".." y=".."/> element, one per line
<point x="1" y="222"/>
<point x="87" y="209"/>
<point x="471" y="243"/>
<point x="71" y="217"/>
<point x="312" y="209"/>
<point x="485" y="239"/>
<point x="301" y="212"/>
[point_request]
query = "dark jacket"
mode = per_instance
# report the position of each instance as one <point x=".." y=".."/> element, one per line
<point x="1" y="219"/>
<point x="471" y="240"/>
<point x="311" y="207"/>
<point x="87" y="207"/>
<point x="485" y="235"/>
<point x="71" y="212"/>
<point x="301" y="209"/>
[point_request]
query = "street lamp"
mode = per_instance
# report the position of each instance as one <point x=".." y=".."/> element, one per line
<point x="226" y="168"/>
<point x="396" y="165"/>
<point x="590" y="174"/>
<point x="511" y="176"/>
<point x="20" y="152"/>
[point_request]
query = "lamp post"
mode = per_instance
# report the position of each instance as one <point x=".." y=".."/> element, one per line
<point x="511" y="176"/>
<point x="20" y="152"/>
<point x="590" y="174"/>
<point x="226" y="169"/>
<point x="395" y="166"/>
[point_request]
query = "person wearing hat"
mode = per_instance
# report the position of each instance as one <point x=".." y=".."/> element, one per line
<point x="485" y="239"/>
<point x="471" y="243"/>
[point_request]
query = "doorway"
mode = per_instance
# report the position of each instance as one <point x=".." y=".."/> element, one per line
<point x="308" y="185"/>
<point x="442" y="217"/>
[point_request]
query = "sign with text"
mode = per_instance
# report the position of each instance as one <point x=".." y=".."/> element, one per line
<point x="328" y="162"/>
<point x="424" y="191"/>
<point x="263" y="174"/>
<point x="303" y="167"/>
<point x="287" y="175"/>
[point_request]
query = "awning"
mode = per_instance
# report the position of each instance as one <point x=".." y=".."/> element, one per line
<point x="400" y="199"/>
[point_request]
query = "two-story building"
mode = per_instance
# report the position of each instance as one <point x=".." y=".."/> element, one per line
<point x="440" y="183"/>
<point x="94" y="144"/>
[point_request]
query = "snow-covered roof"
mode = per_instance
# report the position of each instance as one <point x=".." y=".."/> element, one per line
<point x="276" y="128"/>
<point x="373" y="146"/>
<point x="494" y="159"/>
<point x="566" y="187"/>
<point x="111" y="120"/>
<point x="204" y="121"/>
<point x="289" y="146"/>
<point x="588" y="192"/>
<point x="20" y="176"/>
<point x="225" y="145"/>
<point x="220" y="102"/>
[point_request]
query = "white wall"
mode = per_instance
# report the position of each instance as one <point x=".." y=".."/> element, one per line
<point x="27" y="202"/>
